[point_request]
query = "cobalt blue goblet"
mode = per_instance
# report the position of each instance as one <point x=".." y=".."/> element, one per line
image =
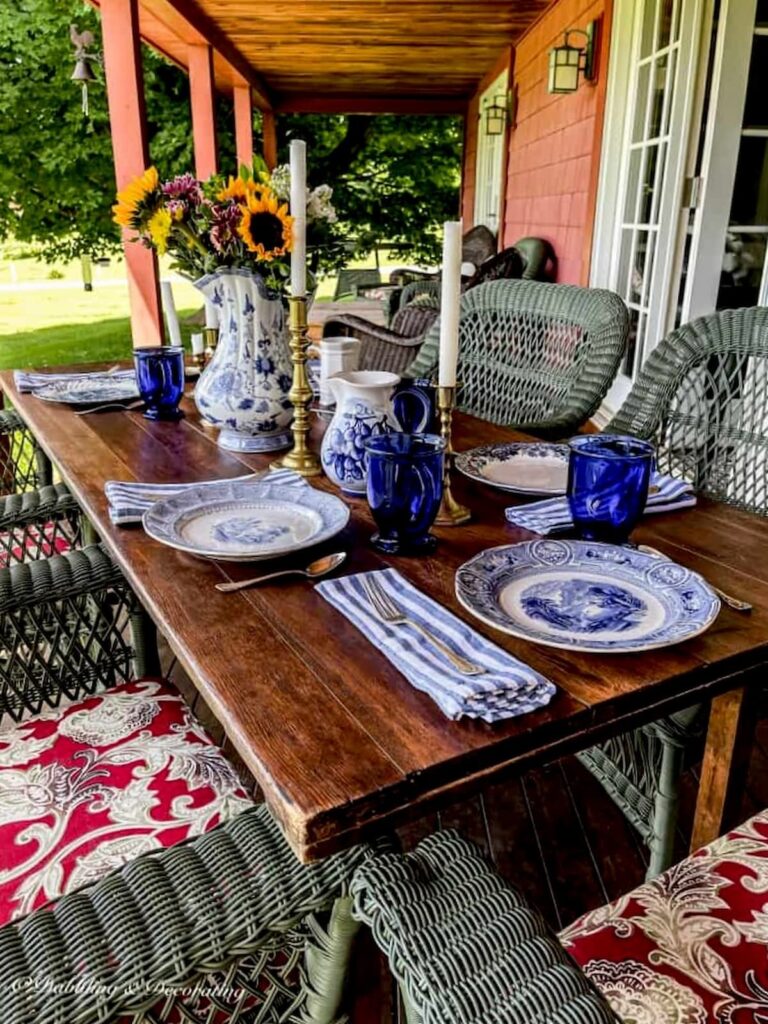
<point x="405" y="486"/>
<point x="160" y="378"/>
<point x="608" y="479"/>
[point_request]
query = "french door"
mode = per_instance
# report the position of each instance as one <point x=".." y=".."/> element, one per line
<point x="491" y="152"/>
<point x="651" y="91"/>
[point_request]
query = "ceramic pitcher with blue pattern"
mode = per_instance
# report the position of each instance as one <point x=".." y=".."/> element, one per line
<point x="244" y="388"/>
<point x="366" y="405"/>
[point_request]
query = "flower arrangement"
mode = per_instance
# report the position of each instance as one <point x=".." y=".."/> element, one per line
<point x="206" y="225"/>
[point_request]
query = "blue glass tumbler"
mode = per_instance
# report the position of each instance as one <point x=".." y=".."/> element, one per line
<point x="608" y="479"/>
<point x="160" y="378"/>
<point x="405" y="486"/>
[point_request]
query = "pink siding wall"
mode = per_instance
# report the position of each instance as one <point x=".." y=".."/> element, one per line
<point x="554" y="149"/>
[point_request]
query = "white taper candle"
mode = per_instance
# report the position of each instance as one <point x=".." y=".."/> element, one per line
<point x="211" y="314"/>
<point x="197" y="343"/>
<point x="299" y="214"/>
<point x="169" y="308"/>
<point x="449" y="305"/>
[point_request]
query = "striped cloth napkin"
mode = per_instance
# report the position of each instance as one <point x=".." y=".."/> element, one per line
<point x="129" y="501"/>
<point x="29" y="380"/>
<point x="508" y="688"/>
<point x="554" y="514"/>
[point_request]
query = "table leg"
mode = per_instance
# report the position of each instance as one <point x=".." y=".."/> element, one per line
<point x="732" y="720"/>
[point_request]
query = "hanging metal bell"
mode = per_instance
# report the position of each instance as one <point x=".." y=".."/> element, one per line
<point x="83" y="72"/>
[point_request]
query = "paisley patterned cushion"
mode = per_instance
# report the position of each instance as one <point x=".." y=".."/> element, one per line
<point x="88" y="787"/>
<point x="688" y="947"/>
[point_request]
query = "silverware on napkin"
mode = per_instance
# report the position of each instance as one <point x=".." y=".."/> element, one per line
<point x="733" y="602"/>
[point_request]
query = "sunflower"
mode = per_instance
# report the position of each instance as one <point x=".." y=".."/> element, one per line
<point x="137" y="199"/>
<point x="265" y="226"/>
<point x="159" y="228"/>
<point x="240" y="190"/>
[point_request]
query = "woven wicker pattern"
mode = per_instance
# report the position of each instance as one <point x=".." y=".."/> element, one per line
<point x="64" y="627"/>
<point x="23" y="465"/>
<point x="702" y="398"/>
<point x="532" y="355"/>
<point x="382" y="348"/>
<point x="232" y="911"/>
<point x="465" y="947"/>
<point x="33" y="523"/>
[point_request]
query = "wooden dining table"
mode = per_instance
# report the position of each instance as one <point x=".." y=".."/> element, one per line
<point x="342" y="746"/>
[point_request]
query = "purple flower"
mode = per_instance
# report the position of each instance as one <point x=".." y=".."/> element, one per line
<point x="185" y="188"/>
<point x="224" y="226"/>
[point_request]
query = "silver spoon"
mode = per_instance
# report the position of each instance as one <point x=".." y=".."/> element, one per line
<point x="733" y="602"/>
<point x="320" y="567"/>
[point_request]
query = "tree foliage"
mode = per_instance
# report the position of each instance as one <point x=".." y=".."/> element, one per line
<point x="395" y="179"/>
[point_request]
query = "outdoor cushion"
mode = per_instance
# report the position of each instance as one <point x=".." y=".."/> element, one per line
<point x="89" y="786"/>
<point x="688" y="947"/>
<point x="36" y="543"/>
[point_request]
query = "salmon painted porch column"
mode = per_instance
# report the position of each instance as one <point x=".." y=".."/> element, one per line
<point x="128" y="125"/>
<point x="201" y="94"/>
<point x="269" y="138"/>
<point x="243" y="124"/>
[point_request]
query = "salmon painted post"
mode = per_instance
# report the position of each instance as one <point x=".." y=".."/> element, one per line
<point x="243" y="124"/>
<point x="128" y="125"/>
<point x="202" y="102"/>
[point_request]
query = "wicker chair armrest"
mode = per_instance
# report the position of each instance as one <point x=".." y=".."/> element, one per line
<point x="359" y="327"/>
<point x="163" y="922"/>
<point x="31" y="508"/>
<point x="464" y="945"/>
<point x="10" y="421"/>
<point x="48" y="580"/>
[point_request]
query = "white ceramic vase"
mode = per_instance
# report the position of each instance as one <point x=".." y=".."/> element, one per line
<point x="244" y="389"/>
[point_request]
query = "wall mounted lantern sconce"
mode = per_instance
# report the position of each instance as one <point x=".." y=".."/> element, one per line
<point x="498" y="113"/>
<point x="567" y="61"/>
<point x="85" y="57"/>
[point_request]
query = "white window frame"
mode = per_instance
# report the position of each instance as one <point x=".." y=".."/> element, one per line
<point x="490" y="179"/>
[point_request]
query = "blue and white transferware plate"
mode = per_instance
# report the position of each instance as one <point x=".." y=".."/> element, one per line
<point x="89" y="390"/>
<point x="519" y="467"/>
<point x="245" y="521"/>
<point x="586" y="596"/>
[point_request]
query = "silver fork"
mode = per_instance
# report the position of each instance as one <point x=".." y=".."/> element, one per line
<point x="110" y="405"/>
<point x="389" y="612"/>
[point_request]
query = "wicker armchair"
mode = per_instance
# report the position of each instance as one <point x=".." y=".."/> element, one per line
<point x="536" y="356"/>
<point x="231" y="909"/>
<point x="37" y="518"/>
<point x="464" y="946"/>
<point x="701" y="399"/>
<point x="540" y="262"/>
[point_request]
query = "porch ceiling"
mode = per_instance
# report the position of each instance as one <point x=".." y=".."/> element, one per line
<point x="344" y="54"/>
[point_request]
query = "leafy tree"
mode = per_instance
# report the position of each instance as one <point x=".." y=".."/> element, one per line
<point x="395" y="179"/>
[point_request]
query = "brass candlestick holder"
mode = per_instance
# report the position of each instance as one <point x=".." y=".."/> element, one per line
<point x="211" y="340"/>
<point x="300" y="458"/>
<point x="199" y="360"/>
<point x="450" y="513"/>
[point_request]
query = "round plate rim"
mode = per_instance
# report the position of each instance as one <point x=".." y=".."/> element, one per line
<point x="40" y="393"/>
<point x="461" y="458"/>
<point x="218" y="556"/>
<point x="511" y="630"/>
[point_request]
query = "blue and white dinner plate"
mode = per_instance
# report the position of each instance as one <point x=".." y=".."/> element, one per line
<point x="89" y="390"/>
<point x="586" y="596"/>
<point x="245" y="521"/>
<point x="518" y="467"/>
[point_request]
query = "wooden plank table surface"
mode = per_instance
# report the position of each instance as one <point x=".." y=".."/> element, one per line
<point x="341" y="745"/>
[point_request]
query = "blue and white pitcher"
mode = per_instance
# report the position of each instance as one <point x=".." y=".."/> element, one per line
<point x="244" y="389"/>
<point x="366" y="405"/>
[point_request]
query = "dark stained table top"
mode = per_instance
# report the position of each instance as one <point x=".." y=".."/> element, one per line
<point x="340" y="743"/>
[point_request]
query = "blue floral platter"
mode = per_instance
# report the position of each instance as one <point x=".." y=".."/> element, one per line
<point x="246" y="521"/>
<point x="586" y="596"/>
<point x="89" y="390"/>
<point x="518" y="467"/>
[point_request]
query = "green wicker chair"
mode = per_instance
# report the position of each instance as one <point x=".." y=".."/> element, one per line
<point x="464" y="946"/>
<point x="540" y="262"/>
<point x="232" y="909"/>
<point x="701" y="399"/>
<point x="532" y="355"/>
<point x="37" y="518"/>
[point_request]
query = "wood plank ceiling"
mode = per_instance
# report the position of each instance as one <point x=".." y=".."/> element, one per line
<point x="301" y="54"/>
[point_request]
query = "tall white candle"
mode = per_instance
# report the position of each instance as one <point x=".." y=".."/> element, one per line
<point x="449" y="305"/>
<point x="197" y="343"/>
<point x="171" y="317"/>
<point x="299" y="214"/>
<point x="211" y="314"/>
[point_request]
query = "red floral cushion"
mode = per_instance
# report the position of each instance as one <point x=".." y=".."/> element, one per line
<point x="88" y="787"/>
<point x="36" y="543"/>
<point x="688" y="947"/>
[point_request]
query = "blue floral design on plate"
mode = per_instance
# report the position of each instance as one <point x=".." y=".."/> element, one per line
<point x="583" y="607"/>
<point x="248" y="531"/>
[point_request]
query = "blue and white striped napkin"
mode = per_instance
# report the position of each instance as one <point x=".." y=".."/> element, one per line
<point x="554" y="514"/>
<point x="29" y="380"/>
<point x="129" y="501"/>
<point x="508" y="688"/>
